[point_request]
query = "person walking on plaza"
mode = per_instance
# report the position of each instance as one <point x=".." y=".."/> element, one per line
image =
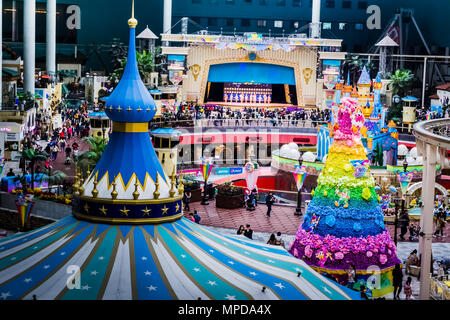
<point x="55" y="150"/>
<point x="187" y="199"/>
<point x="269" y="202"/>
<point x="351" y="273"/>
<point x="397" y="281"/>
<point x="412" y="260"/>
<point x="407" y="289"/>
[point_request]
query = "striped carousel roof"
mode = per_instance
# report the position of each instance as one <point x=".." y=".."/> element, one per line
<point x="176" y="260"/>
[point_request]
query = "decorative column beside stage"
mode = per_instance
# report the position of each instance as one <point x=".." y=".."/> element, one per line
<point x="344" y="223"/>
<point x="29" y="45"/>
<point x="24" y="206"/>
<point x="51" y="38"/>
<point x="205" y="168"/>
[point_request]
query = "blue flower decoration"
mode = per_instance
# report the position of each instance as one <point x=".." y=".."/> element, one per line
<point x="330" y="221"/>
<point x="357" y="226"/>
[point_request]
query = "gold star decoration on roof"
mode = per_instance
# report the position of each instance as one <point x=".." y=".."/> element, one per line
<point x="129" y="109"/>
<point x="119" y="108"/>
<point x="146" y="211"/>
<point x="139" y="109"/>
<point x="177" y="207"/>
<point x="164" y="210"/>
<point x="124" y="211"/>
<point x="103" y="210"/>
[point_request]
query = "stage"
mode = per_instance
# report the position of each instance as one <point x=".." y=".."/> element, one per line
<point x="240" y="105"/>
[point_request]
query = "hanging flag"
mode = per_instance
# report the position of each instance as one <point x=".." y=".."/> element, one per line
<point x="206" y="167"/>
<point x="299" y="176"/>
<point x="405" y="178"/>
<point x="251" y="174"/>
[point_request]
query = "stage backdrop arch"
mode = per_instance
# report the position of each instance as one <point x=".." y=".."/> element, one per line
<point x="247" y="72"/>
<point x="418" y="185"/>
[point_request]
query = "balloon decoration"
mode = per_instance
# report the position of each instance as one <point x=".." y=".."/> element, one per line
<point x="392" y="189"/>
<point x="206" y="167"/>
<point x="299" y="176"/>
<point x="252" y="173"/>
<point x="405" y="178"/>
<point x="24" y="206"/>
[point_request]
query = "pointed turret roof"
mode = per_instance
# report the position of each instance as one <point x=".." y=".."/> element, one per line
<point x="365" y="77"/>
<point x="387" y="42"/>
<point x="147" y="34"/>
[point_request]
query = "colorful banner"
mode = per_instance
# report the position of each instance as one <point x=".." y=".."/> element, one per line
<point x="24" y="206"/>
<point x="299" y="176"/>
<point x="228" y="171"/>
<point x="2" y="165"/>
<point x="206" y="167"/>
<point x="404" y="178"/>
<point x="252" y="173"/>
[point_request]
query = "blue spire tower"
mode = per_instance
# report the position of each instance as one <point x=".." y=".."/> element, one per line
<point x="129" y="185"/>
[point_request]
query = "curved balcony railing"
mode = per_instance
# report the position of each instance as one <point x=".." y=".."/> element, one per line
<point x="435" y="132"/>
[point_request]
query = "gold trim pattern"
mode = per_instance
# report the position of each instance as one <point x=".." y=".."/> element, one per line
<point x="126" y="220"/>
<point x="130" y="127"/>
<point x="131" y="201"/>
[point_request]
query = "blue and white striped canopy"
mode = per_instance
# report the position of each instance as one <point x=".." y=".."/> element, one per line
<point x="177" y="260"/>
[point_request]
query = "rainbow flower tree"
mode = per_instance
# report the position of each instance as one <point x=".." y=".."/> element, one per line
<point x="343" y="224"/>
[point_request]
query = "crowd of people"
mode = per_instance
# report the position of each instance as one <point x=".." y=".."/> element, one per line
<point x="75" y="125"/>
<point x="217" y="115"/>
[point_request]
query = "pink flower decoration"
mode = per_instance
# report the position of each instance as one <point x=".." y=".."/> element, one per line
<point x="369" y="254"/>
<point x="308" y="251"/>
<point x="383" y="258"/>
<point x="339" y="255"/>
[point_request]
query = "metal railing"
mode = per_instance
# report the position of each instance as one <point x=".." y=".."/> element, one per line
<point x="262" y="122"/>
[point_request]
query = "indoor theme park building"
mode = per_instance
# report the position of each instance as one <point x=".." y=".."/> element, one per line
<point x="127" y="238"/>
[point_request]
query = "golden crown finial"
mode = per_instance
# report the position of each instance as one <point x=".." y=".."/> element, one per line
<point x="114" y="192"/>
<point x="136" y="193"/>
<point x="181" y="185"/>
<point x="156" y="194"/>
<point x="172" y="189"/>
<point x="132" y="22"/>
<point x="94" y="190"/>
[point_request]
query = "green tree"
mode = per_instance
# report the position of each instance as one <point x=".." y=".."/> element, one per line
<point x="145" y="62"/>
<point x="355" y="64"/>
<point x="88" y="159"/>
<point x="33" y="157"/>
<point x="400" y="81"/>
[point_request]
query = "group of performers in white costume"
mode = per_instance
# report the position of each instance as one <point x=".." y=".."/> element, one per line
<point x="247" y="95"/>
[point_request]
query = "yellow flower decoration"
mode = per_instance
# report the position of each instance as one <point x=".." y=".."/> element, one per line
<point x="366" y="194"/>
<point x="330" y="170"/>
<point x="348" y="167"/>
<point x="312" y="193"/>
<point x="325" y="193"/>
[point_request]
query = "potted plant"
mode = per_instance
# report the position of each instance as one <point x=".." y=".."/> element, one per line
<point x="229" y="196"/>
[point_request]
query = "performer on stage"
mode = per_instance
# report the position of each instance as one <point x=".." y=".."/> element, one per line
<point x="265" y="98"/>
<point x="225" y="97"/>
<point x="269" y="98"/>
